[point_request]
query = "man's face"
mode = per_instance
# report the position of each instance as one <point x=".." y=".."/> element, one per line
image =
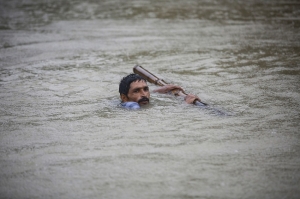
<point x="138" y="92"/>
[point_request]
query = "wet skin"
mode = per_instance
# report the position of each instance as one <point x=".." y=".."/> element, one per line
<point x="138" y="92"/>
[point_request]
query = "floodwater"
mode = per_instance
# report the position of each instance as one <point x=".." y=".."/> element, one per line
<point x="63" y="134"/>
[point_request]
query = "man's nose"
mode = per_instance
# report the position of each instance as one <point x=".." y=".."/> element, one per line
<point x="143" y="93"/>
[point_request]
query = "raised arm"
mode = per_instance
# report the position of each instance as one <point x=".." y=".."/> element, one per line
<point x="189" y="98"/>
<point x="167" y="88"/>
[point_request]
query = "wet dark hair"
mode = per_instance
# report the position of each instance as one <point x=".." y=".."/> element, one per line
<point x="126" y="81"/>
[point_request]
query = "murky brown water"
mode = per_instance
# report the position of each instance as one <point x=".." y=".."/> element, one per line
<point x="63" y="134"/>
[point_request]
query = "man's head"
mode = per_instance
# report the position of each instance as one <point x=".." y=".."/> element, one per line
<point x="134" y="88"/>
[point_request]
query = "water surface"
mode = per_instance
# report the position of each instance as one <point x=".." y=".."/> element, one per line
<point x="63" y="134"/>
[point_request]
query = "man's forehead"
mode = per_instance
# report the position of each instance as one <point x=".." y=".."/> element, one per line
<point x="138" y="83"/>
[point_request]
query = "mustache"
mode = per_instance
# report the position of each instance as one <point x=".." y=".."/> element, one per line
<point x="143" y="99"/>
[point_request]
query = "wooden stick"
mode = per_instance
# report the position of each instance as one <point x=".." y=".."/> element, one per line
<point x="160" y="82"/>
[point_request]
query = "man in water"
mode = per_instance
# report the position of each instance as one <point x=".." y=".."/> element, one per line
<point x="134" y="92"/>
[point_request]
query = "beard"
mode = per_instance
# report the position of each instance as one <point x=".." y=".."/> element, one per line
<point x="143" y="99"/>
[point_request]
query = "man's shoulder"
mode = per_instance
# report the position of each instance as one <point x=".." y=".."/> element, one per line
<point x="130" y="105"/>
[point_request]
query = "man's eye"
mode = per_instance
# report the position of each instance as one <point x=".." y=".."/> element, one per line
<point x="146" y="89"/>
<point x="136" y="91"/>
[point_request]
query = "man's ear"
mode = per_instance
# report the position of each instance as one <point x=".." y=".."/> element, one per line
<point x="124" y="98"/>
